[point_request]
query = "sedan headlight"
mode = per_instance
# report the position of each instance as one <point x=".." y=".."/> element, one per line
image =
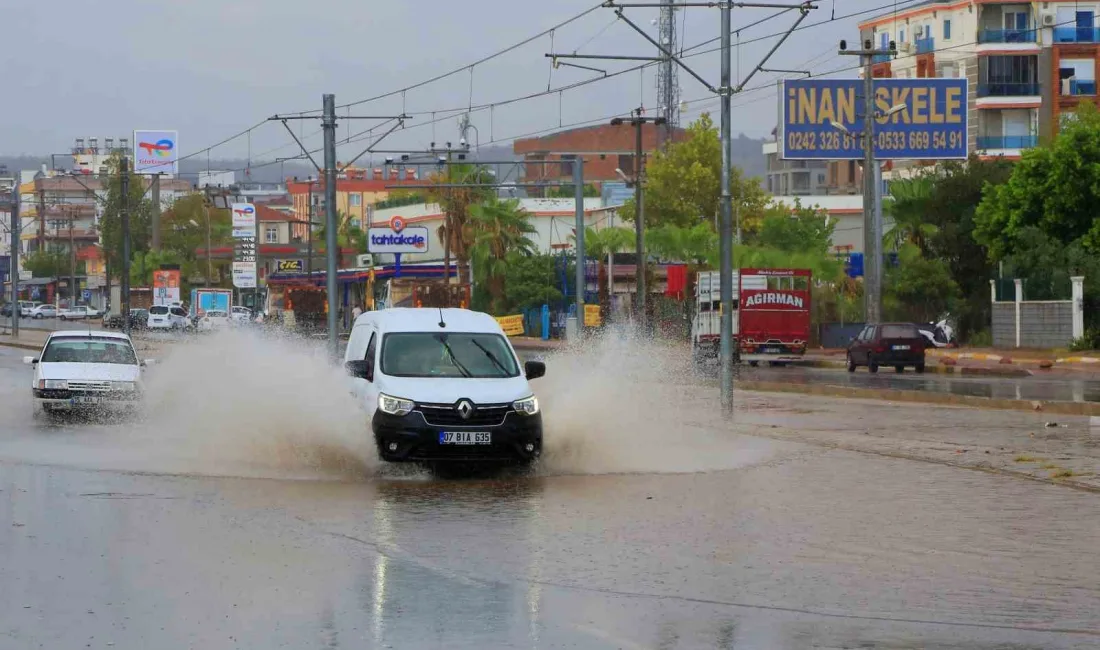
<point x="53" y="384"/>
<point x="527" y="405"/>
<point x="394" y="405"/>
<point x="123" y="385"/>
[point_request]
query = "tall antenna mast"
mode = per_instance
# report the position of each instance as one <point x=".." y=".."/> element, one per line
<point x="668" y="85"/>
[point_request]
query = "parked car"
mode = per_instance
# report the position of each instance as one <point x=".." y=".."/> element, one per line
<point x="139" y="319"/>
<point x="44" y="311"/>
<point x="26" y="307"/>
<point x="887" y="344"/>
<point x="78" y="312"/>
<point x="163" y="317"/>
<point x="86" y="371"/>
<point x="214" y="320"/>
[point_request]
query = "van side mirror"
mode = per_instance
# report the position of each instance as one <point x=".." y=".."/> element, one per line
<point x="30" y="361"/>
<point x="360" y="369"/>
<point x="534" y="369"/>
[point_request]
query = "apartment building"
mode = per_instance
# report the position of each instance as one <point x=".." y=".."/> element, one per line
<point x="1029" y="64"/>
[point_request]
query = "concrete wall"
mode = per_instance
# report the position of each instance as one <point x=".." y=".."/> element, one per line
<point x="1043" y="324"/>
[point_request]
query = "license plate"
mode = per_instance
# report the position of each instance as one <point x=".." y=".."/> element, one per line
<point x="85" y="400"/>
<point x="465" y="438"/>
<point x="771" y="350"/>
<point x="901" y="347"/>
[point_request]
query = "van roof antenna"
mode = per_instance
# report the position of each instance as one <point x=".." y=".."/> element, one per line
<point x="441" y="323"/>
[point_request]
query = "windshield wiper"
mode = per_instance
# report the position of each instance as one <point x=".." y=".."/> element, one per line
<point x="451" y="353"/>
<point x="492" y="357"/>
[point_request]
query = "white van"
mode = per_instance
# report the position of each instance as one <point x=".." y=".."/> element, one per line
<point x="443" y="384"/>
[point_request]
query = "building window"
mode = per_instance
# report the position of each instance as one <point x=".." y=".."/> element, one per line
<point x="947" y="30"/>
<point x="355" y="200"/>
<point x="271" y="235"/>
<point x="626" y="163"/>
<point x="821" y="179"/>
<point x="567" y="164"/>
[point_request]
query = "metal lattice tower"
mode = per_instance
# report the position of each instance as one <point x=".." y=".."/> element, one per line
<point x="668" y="85"/>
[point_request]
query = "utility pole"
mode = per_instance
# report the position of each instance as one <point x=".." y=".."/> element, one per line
<point x="309" y="232"/>
<point x="124" y="170"/>
<point x="725" y="237"/>
<point x="155" y="192"/>
<point x="72" y="264"/>
<point x="16" y="229"/>
<point x="209" y="263"/>
<point x="578" y="195"/>
<point x="328" y="125"/>
<point x="725" y="90"/>
<point x="668" y="87"/>
<point x="638" y="121"/>
<point x="872" y="225"/>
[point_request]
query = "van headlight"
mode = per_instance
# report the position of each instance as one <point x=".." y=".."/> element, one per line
<point x="527" y="405"/>
<point x="394" y="405"/>
<point x="53" y="384"/>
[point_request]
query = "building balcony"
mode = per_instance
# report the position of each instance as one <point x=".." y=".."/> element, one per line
<point x="1077" y="35"/>
<point x="1006" y="36"/>
<point x="1079" y="88"/>
<point x="926" y="45"/>
<point x="998" y="89"/>
<point x="987" y="142"/>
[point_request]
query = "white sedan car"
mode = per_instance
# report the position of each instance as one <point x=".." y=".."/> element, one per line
<point x="87" y="370"/>
<point x="78" y="312"/>
<point x="44" y="311"/>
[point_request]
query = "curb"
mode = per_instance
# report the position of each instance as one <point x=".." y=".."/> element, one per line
<point x="922" y="397"/>
<point x="932" y="369"/>
<point x="20" y="346"/>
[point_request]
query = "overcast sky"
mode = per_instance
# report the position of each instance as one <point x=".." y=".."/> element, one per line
<point x="211" y="68"/>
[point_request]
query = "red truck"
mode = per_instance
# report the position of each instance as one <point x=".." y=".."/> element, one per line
<point x="773" y="314"/>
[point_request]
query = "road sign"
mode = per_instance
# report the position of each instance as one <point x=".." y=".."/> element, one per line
<point x="914" y="119"/>
<point x="86" y="294"/>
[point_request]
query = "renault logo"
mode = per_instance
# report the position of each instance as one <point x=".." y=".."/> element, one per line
<point x="465" y="409"/>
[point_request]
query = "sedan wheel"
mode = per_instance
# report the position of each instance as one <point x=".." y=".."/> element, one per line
<point x="851" y="363"/>
<point x="872" y="365"/>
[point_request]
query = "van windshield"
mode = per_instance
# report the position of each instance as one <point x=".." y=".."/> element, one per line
<point x="158" y="310"/>
<point x="450" y="354"/>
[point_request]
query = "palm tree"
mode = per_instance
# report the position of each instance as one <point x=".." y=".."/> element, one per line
<point x="456" y="203"/>
<point x="907" y="209"/>
<point x="598" y="245"/>
<point x="497" y="229"/>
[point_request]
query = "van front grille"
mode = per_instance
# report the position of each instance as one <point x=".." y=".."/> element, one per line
<point x="483" y="415"/>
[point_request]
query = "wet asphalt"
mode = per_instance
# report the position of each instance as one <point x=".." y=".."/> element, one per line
<point x="790" y="546"/>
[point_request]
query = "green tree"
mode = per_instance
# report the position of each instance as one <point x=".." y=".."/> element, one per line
<point x="694" y="245"/>
<point x="529" y="282"/>
<point x="682" y="184"/>
<point x="956" y="193"/>
<point x="183" y="234"/>
<point x="598" y="244"/>
<point x="918" y="289"/>
<point x="801" y="229"/>
<point x="500" y="229"/>
<point x="140" y="210"/>
<point x="908" y="208"/>
<point x="47" y="264"/>
<point x="1055" y="188"/>
<point x="144" y="263"/>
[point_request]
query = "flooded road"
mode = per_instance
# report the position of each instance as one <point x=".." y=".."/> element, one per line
<point x="1035" y="387"/>
<point x="666" y="535"/>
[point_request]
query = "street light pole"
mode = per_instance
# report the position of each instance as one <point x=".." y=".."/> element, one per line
<point x="209" y="264"/>
<point x="725" y="236"/>
<point x="637" y="121"/>
<point x="16" y="229"/>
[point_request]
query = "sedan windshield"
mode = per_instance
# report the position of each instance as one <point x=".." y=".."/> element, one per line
<point x="90" y="350"/>
<point x="437" y="354"/>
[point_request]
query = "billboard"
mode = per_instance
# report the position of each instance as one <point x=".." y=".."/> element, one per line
<point x="156" y="152"/>
<point x="244" y="275"/>
<point x="397" y="238"/>
<point x="822" y="119"/>
<point x="244" y="217"/>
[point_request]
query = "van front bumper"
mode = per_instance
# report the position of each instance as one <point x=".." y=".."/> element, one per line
<point x="409" y="438"/>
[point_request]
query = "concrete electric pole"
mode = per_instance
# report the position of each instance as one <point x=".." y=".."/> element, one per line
<point x="872" y="215"/>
